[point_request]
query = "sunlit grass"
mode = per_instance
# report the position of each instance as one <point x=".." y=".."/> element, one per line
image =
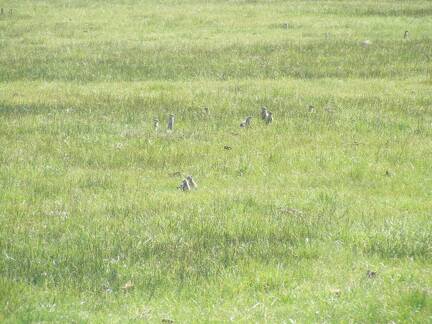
<point x="284" y="226"/>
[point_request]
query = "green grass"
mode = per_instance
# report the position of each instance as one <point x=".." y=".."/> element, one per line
<point x="283" y="227"/>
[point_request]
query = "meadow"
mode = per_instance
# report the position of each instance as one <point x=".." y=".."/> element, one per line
<point x="323" y="216"/>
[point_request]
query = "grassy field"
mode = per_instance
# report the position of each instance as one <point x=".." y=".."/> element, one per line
<point x="284" y="227"/>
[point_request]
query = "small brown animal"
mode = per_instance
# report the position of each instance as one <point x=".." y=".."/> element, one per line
<point x="171" y="122"/>
<point x="192" y="184"/>
<point x="371" y="274"/>
<point x="156" y="123"/>
<point x="269" y="118"/>
<point x="264" y="113"/>
<point x="184" y="186"/>
<point x="246" y="122"/>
